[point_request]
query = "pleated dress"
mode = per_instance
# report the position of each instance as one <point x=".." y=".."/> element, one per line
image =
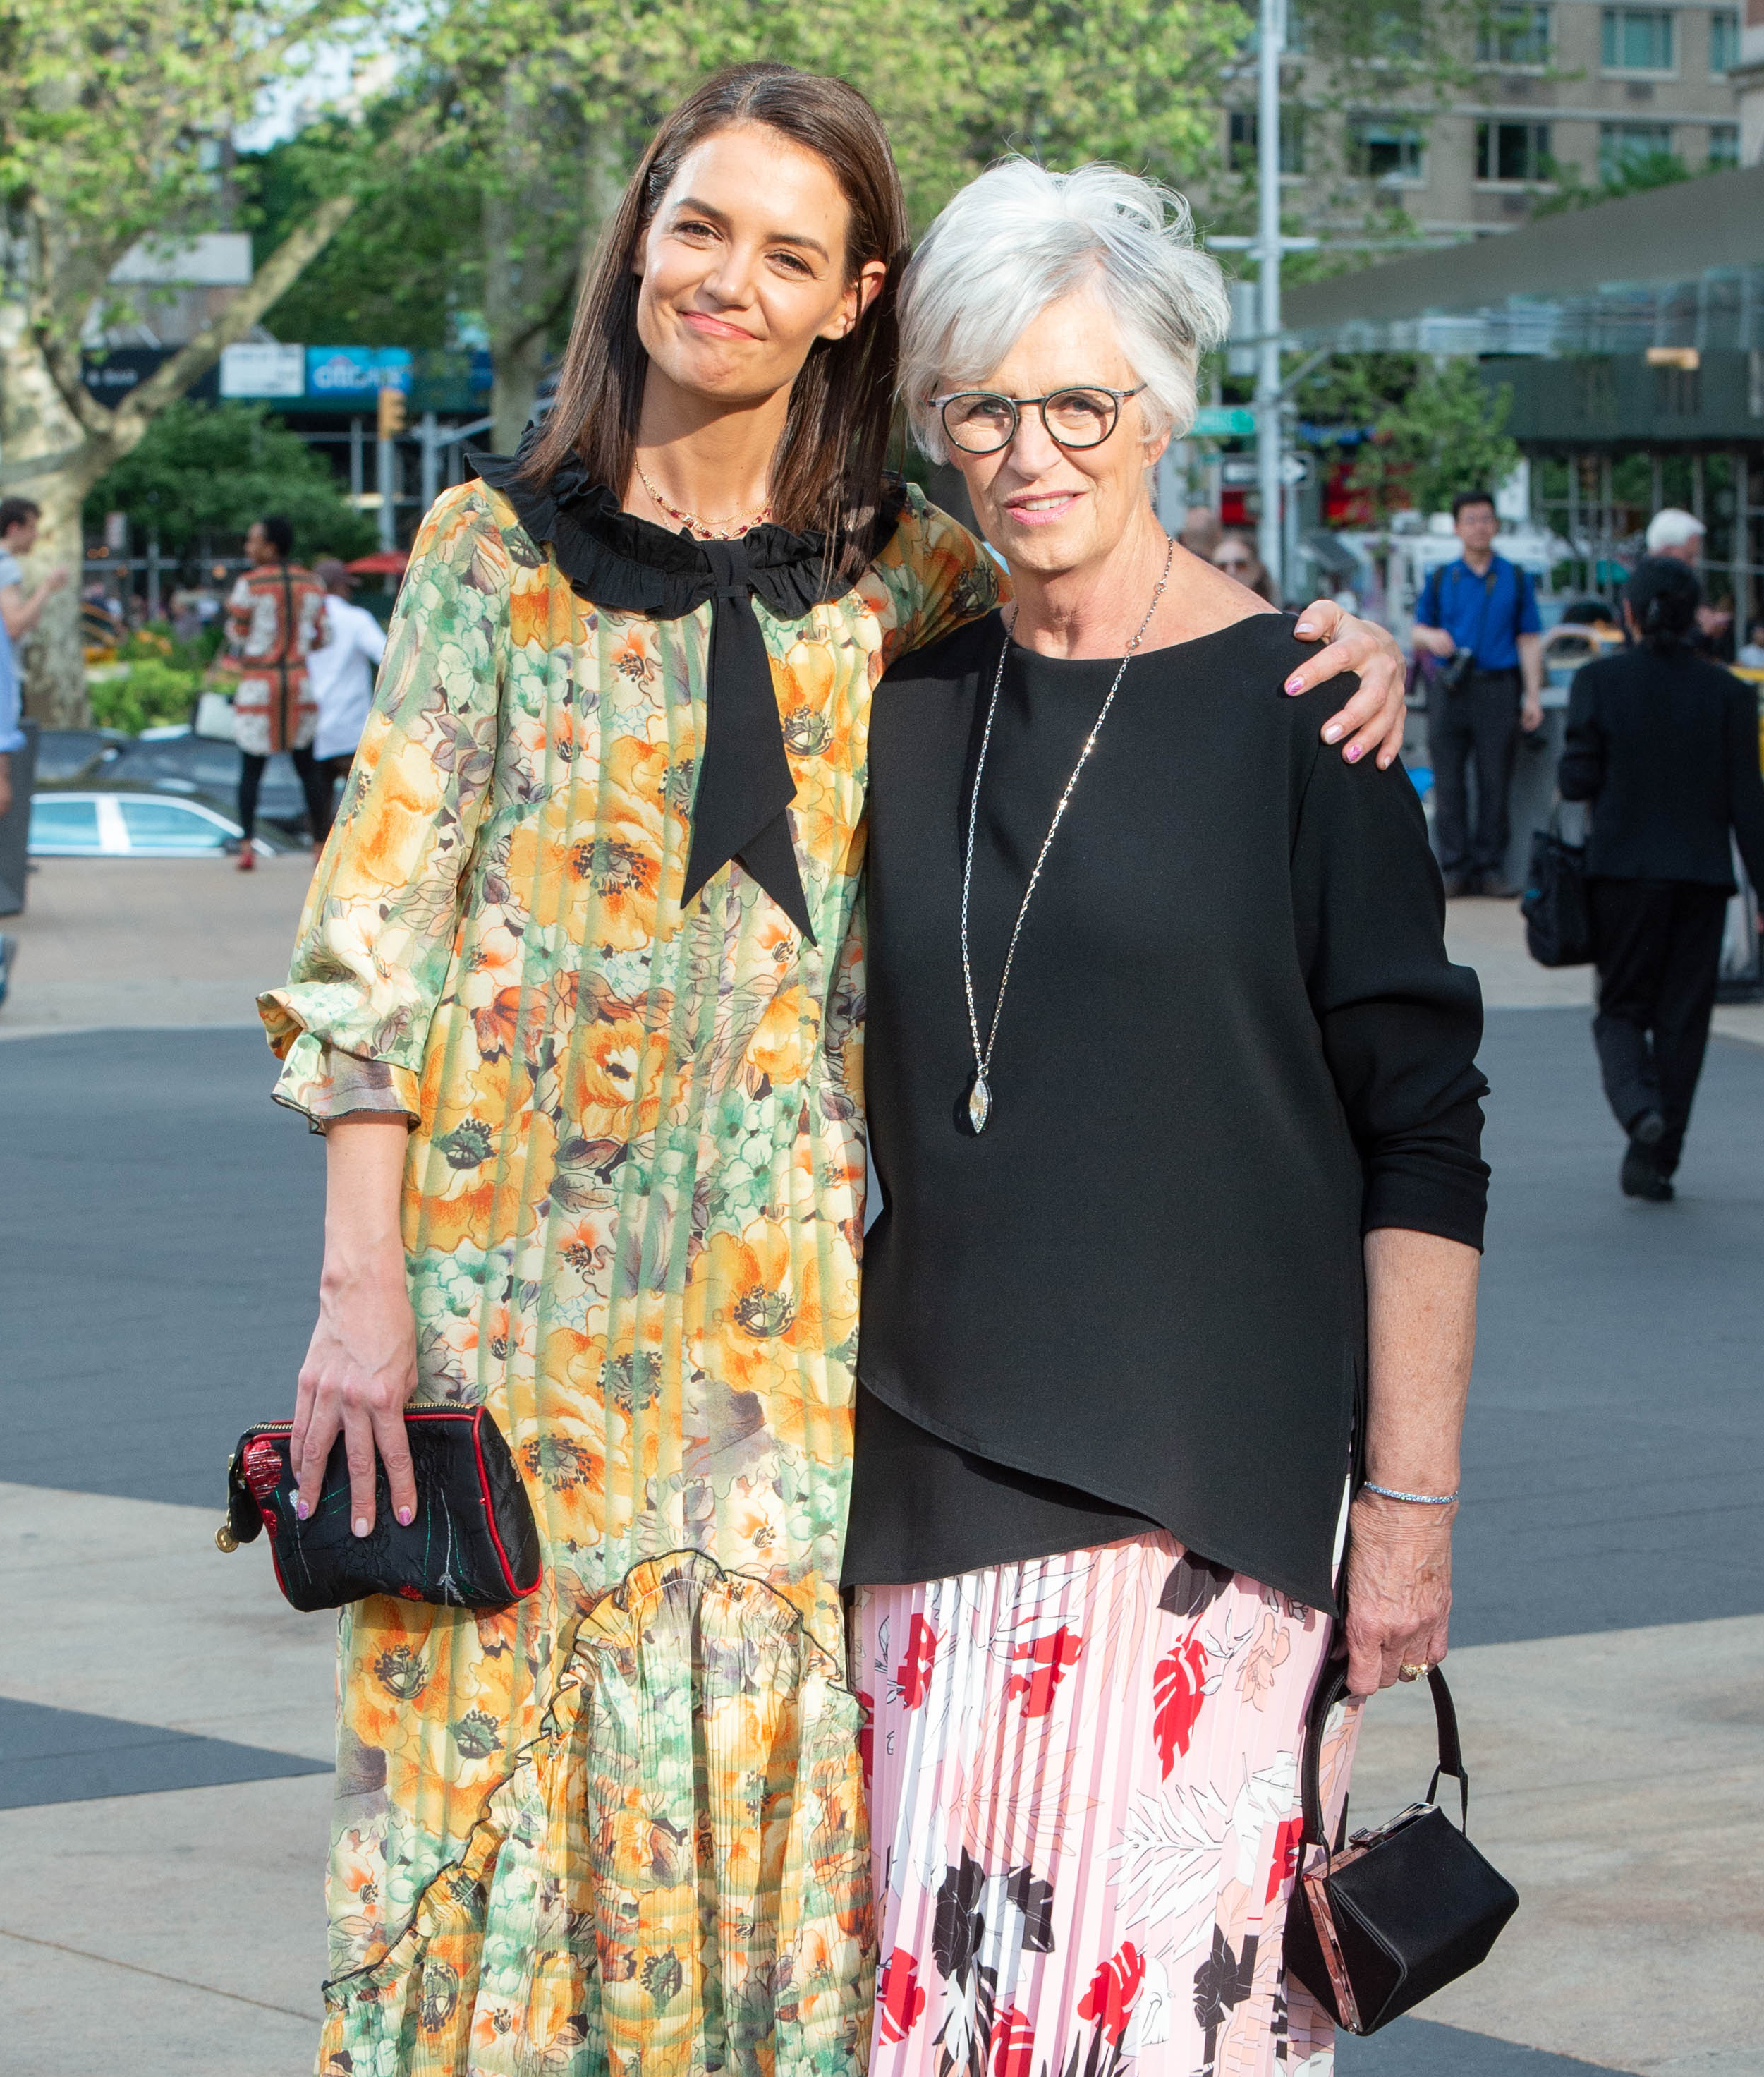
<point x="618" y="1827"/>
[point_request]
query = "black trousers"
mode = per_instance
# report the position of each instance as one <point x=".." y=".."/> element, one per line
<point x="1477" y="724"/>
<point x="1658" y="944"/>
<point x="317" y="783"/>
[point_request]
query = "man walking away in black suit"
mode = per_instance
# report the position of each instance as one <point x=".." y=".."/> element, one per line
<point x="1665" y="745"/>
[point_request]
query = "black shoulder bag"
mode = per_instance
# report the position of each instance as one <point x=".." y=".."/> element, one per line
<point x="1559" y="918"/>
<point x="1384" y="1919"/>
<point x="473" y="1542"/>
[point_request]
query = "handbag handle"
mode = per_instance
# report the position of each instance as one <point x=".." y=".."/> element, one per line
<point x="1330" y="1689"/>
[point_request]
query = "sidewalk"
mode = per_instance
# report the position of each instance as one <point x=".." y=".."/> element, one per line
<point x="166" y="1719"/>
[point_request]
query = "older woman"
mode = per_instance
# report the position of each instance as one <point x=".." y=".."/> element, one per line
<point x="1174" y="1102"/>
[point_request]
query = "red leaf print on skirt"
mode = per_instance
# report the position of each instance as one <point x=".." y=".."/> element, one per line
<point x="1112" y="1989"/>
<point x="1288" y="1844"/>
<point x="1049" y="1657"/>
<point x="898" y="1998"/>
<point x="914" y="1673"/>
<point x="1013" y="2043"/>
<point x="1176" y="1696"/>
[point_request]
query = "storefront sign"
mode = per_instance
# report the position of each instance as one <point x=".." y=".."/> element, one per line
<point x="263" y="369"/>
<point x="348" y="375"/>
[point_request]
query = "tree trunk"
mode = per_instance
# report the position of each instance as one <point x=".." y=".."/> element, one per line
<point x="48" y="457"/>
<point x="517" y="365"/>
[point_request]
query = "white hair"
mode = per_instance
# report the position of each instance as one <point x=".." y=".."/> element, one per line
<point x="1019" y="237"/>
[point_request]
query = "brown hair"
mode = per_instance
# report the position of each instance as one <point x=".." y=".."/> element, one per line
<point x="828" y="471"/>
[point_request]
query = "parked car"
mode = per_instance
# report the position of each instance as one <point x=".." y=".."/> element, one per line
<point x="101" y="822"/>
<point x="196" y="764"/>
<point x="65" y="753"/>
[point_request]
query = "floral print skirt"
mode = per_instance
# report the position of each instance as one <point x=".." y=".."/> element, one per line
<point x="1085" y="1817"/>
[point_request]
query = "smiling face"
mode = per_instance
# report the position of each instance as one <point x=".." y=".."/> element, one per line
<point x="744" y="267"/>
<point x="1049" y="509"/>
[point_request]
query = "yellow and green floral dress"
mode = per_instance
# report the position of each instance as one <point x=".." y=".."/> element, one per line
<point x="616" y="1828"/>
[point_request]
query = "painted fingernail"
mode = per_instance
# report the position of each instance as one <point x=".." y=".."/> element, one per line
<point x="405" y="1514"/>
<point x="303" y="1510"/>
<point x="1295" y="685"/>
<point x="1353" y="753"/>
<point x="1331" y="734"/>
<point x="360" y="1524"/>
<point x="1305" y="629"/>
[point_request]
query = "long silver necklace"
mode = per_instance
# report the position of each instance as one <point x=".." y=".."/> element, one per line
<point x="979" y="1093"/>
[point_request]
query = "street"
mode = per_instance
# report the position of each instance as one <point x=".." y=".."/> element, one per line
<point x="166" y="1719"/>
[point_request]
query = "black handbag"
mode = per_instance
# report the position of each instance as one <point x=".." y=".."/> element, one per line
<point x="1385" y="1918"/>
<point x="473" y="1542"/>
<point x="1558" y="922"/>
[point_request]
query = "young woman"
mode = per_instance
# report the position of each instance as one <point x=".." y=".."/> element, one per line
<point x="578" y="1002"/>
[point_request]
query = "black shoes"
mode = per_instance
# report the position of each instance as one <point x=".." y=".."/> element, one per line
<point x="1640" y="1175"/>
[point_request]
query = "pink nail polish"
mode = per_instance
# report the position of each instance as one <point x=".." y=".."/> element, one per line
<point x="303" y="1510"/>
<point x="1354" y="754"/>
<point x="359" y="1525"/>
<point x="1304" y="630"/>
<point x="1331" y="734"/>
<point x="405" y="1515"/>
<point x="1295" y="685"/>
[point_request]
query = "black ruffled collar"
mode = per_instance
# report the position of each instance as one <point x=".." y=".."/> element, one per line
<point x="624" y="564"/>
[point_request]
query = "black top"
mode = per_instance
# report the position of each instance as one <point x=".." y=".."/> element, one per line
<point x="1232" y="1044"/>
<point x="1666" y="747"/>
<point x="619" y="561"/>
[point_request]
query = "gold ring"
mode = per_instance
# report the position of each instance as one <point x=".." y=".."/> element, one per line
<point x="1414" y="1672"/>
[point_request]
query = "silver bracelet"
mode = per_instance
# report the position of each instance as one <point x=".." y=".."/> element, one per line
<point x="1427" y="1500"/>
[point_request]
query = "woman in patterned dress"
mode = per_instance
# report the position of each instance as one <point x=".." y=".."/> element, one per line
<point x="587" y="927"/>
<point x="1194" y="1242"/>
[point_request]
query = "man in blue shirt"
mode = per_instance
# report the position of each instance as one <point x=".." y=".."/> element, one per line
<point x="1479" y="616"/>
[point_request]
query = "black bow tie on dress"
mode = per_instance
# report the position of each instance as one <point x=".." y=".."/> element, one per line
<point x="623" y="563"/>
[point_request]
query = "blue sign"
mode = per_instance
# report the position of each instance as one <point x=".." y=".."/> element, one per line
<point x="355" y="374"/>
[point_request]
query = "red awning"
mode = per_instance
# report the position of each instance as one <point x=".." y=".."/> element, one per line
<point x="383" y="563"/>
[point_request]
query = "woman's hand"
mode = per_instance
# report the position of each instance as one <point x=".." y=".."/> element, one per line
<point x="1373" y="719"/>
<point x="1399" y="1589"/>
<point x="361" y="1367"/>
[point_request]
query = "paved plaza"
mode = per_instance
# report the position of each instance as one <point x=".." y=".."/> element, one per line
<point x="165" y="1719"/>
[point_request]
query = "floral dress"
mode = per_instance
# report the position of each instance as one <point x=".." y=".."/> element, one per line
<point x="617" y="1827"/>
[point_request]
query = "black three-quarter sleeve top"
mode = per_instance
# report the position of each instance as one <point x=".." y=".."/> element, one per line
<point x="1232" y="1044"/>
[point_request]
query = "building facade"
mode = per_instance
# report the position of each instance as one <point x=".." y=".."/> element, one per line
<point x="1565" y="92"/>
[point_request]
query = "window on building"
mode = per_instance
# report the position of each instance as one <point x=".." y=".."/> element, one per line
<point x="1245" y="130"/>
<point x="1724" y="145"/>
<point x="1380" y="151"/>
<point x="1514" y="36"/>
<point x="1724" y="41"/>
<point x="1623" y="146"/>
<point x="1514" y="152"/>
<point x="1637" y="39"/>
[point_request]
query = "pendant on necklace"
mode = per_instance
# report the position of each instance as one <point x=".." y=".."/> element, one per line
<point x="979" y="1104"/>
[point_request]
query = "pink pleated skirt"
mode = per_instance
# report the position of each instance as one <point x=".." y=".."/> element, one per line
<point x="1084" y="1817"/>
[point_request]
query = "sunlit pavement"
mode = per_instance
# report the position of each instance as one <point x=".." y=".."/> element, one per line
<point x="166" y="1719"/>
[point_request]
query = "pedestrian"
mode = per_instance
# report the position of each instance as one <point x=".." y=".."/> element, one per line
<point x="1201" y="531"/>
<point x="341" y="673"/>
<point x="1752" y="653"/>
<point x="1236" y="556"/>
<point x="1109" y="1367"/>
<point x="20" y="612"/>
<point x="1665" y="745"/>
<point x="1478" y="616"/>
<point x="578" y="1000"/>
<point x="275" y="619"/>
<point x="1679" y="536"/>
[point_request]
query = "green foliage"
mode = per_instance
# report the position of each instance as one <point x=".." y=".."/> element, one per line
<point x="150" y="694"/>
<point x="205" y="472"/>
<point x="1633" y="176"/>
<point x="1446" y="433"/>
<point x="155" y="642"/>
<point x="404" y="267"/>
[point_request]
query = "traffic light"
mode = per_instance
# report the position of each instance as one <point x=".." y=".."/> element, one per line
<point x="392" y="413"/>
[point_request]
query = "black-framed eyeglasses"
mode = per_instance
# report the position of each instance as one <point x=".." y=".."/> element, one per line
<point x="982" y="421"/>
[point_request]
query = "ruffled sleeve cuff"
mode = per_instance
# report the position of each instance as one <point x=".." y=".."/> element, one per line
<point x="325" y="1082"/>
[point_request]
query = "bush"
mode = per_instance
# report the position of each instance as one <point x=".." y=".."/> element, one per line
<point x="156" y="643"/>
<point x="151" y="694"/>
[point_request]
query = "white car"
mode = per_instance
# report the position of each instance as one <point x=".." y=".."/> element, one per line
<point x="101" y="825"/>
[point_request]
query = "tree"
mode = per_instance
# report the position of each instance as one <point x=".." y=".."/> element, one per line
<point x="111" y="126"/>
<point x="1447" y="434"/>
<point x="204" y="472"/>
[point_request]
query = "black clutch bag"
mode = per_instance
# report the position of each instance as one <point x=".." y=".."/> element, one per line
<point x="1382" y="1920"/>
<point x="473" y="1542"/>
